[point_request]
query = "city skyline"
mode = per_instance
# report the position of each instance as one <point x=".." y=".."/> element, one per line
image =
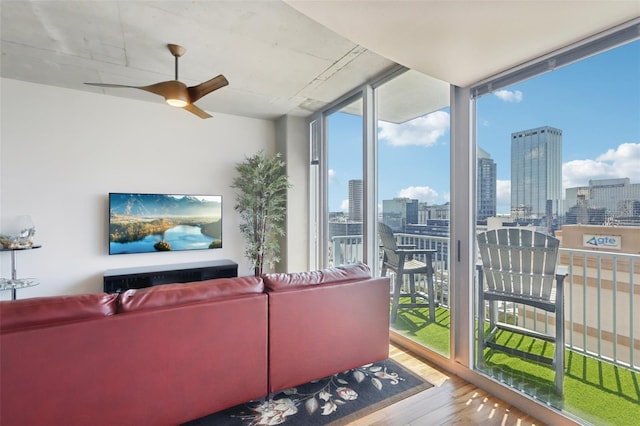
<point x="595" y="102"/>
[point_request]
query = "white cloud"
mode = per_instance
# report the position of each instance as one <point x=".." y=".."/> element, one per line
<point x="579" y="172"/>
<point x="344" y="206"/>
<point x="622" y="162"/>
<point x="509" y="96"/>
<point x="625" y="160"/>
<point x="423" y="131"/>
<point x="331" y="175"/>
<point x="503" y="196"/>
<point x="420" y="193"/>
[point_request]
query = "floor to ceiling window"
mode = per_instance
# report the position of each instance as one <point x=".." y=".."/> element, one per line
<point x="559" y="152"/>
<point x="413" y="202"/>
<point x="557" y="145"/>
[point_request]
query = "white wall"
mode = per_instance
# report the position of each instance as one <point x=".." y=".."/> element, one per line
<point x="61" y="153"/>
<point x="293" y="141"/>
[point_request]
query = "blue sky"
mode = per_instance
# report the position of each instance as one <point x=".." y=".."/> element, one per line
<point x="595" y="102"/>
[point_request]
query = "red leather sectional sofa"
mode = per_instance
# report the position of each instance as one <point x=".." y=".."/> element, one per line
<point x="169" y="354"/>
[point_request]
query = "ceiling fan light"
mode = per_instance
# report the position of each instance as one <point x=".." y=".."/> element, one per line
<point x="175" y="93"/>
<point x="179" y="103"/>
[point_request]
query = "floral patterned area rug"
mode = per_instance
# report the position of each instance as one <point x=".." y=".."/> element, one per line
<point x="334" y="400"/>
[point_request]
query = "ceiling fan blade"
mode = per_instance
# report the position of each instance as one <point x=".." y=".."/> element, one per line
<point x="202" y="89"/>
<point x="197" y="111"/>
<point x="164" y="88"/>
<point x="111" y="85"/>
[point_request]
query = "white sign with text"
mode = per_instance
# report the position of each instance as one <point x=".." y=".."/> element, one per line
<point x="602" y="241"/>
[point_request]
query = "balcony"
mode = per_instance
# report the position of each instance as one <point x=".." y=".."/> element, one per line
<point x="602" y="331"/>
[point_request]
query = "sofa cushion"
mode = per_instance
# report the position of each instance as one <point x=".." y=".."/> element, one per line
<point x="356" y="271"/>
<point x="185" y="293"/>
<point x="38" y="311"/>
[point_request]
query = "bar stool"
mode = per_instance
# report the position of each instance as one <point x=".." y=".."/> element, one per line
<point x="400" y="259"/>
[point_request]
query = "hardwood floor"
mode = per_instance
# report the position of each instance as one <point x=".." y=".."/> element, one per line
<point x="452" y="401"/>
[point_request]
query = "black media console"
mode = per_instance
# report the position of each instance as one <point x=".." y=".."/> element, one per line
<point x="119" y="280"/>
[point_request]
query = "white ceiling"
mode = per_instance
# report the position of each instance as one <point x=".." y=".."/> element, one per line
<point x="465" y="41"/>
<point x="279" y="61"/>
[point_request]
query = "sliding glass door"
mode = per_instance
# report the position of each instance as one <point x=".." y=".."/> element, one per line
<point x="413" y="201"/>
<point x="558" y="152"/>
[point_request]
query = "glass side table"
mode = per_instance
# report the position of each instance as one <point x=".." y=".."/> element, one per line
<point x="14" y="283"/>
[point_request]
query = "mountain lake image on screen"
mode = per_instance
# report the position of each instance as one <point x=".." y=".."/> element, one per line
<point x="147" y="223"/>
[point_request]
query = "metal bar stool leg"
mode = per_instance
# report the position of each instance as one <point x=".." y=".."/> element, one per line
<point x="432" y="298"/>
<point x="397" y="282"/>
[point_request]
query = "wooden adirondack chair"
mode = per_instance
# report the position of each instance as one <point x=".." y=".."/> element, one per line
<point x="400" y="259"/>
<point x="519" y="266"/>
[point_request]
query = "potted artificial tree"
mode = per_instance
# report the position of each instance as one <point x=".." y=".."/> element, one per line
<point x="262" y="185"/>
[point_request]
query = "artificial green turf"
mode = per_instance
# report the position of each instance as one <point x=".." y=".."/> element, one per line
<point x="414" y="323"/>
<point x="596" y="391"/>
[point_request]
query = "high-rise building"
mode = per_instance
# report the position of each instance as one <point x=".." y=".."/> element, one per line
<point x="355" y="200"/>
<point x="604" y="202"/>
<point x="428" y="212"/>
<point x="486" y="185"/>
<point x="399" y="212"/>
<point x="536" y="172"/>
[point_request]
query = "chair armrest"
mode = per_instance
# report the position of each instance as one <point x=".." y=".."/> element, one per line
<point x="562" y="270"/>
<point x="409" y="254"/>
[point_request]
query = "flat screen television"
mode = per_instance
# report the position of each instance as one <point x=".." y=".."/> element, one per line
<point x="146" y="223"/>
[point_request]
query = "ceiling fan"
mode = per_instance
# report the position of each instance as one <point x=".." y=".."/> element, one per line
<point x="175" y="92"/>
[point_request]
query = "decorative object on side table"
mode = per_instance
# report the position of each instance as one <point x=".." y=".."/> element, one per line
<point x="262" y="185"/>
<point x="18" y="233"/>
